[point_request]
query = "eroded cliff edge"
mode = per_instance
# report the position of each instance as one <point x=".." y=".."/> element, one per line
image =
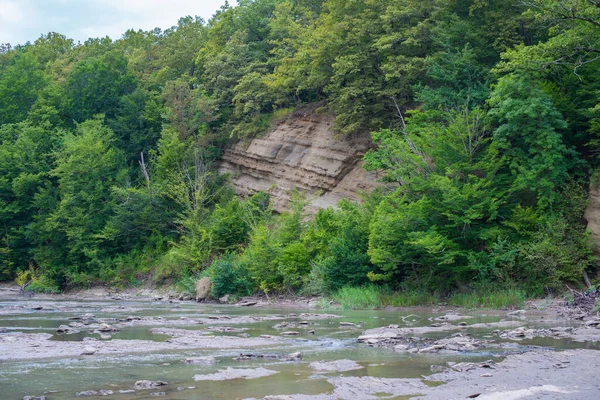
<point x="303" y="153"/>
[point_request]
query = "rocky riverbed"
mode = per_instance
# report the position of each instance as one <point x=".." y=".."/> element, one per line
<point x="130" y="347"/>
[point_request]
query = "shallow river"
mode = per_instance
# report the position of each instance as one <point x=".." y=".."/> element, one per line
<point x="63" y="377"/>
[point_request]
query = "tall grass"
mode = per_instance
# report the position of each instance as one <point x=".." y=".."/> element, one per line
<point x="358" y="298"/>
<point x="371" y="297"/>
<point x="499" y="299"/>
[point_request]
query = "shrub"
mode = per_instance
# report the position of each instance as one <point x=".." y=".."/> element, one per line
<point x="229" y="276"/>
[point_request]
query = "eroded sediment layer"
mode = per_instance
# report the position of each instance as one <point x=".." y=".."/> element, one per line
<point x="301" y="153"/>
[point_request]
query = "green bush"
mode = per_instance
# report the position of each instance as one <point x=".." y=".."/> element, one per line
<point x="293" y="264"/>
<point x="229" y="276"/>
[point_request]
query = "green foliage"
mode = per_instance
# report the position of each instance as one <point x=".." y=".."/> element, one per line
<point x="348" y="262"/>
<point x="485" y="120"/>
<point x="229" y="276"/>
<point x="358" y="298"/>
<point x="528" y="136"/>
<point x="496" y="299"/>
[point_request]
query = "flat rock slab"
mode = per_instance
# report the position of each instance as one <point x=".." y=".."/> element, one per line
<point x="30" y="346"/>
<point x="451" y="317"/>
<point x="542" y="375"/>
<point x="236" y="373"/>
<point x="335" y="366"/>
<point x="397" y="332"/>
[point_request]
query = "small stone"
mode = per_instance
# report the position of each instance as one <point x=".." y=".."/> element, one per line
<point x="126" y="391"/>
<point x="290" y="333"/>
<point x="89" y="350"/>
<point x="200" y="361"/>
<point x="401" y="347"/>
<point x="486" y="375"/>
<point x="34" y="398"/>
<point x="158" y="394"/>
<point x="87" y="393"/>
<point x="105" y="392"/>
<point x="145" y="384"/>
<point x="462" y="324"/>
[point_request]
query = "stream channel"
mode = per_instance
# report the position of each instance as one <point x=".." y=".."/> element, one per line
<point x="154" y="340"/>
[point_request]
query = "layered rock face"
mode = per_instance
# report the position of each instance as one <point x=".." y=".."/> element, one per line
<point x="301" y="153"/>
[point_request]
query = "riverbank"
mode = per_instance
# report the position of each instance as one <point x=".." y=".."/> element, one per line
<point x="347" y="298"/>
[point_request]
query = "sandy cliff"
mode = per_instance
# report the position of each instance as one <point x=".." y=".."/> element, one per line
<point x="301" y="153"/>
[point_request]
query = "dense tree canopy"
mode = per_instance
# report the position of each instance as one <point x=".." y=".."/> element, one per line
<point x="486" y="127"/>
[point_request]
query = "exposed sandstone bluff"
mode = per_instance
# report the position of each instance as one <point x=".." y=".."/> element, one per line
<point x="301" y="153"/>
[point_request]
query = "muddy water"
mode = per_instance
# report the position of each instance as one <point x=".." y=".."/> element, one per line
<point x="64" y="377"/>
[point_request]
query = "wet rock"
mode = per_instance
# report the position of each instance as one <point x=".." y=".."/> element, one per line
<point x="158" y="394"/>
<point x="146" y="384"/>
<point x="236" y="373"/>
<point x="335" y="366"/>
<point x="451" y="317"/>
<point x="290" y="333"/>
<point x="67" y="330"/>
<point x="3" y="330"/>
<point x="348" y="324"/>
<point x="247" y="303"/>
<point x="200" y="361"/>
<point x="250" y="356"/>
<point x="593" y="322"/>
<point x="34" y="398"/>
<point x="203" y="289"/>
<point x="459" y="342"/>
<point x="87" y="393"/>
<point x="516" y="313"/>
<point x="107" y="328"/>
<point x="126" y="391"/>
<point x="226" y="329"/>
<point x="313" y="316"/>
<point x="88" y="351"/>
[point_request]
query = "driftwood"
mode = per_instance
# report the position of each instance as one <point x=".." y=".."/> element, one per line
<point x="22" y="289"/>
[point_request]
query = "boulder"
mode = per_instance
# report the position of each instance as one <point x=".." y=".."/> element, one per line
<point x="224" y="299"/>
<point x="66" y="330"/>
<point x="203" y="289"/>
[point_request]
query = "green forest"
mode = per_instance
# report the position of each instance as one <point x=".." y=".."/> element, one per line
<point x="484" y="114"/>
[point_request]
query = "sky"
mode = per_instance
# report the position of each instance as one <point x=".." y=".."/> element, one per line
<point x="27" y="20"/>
